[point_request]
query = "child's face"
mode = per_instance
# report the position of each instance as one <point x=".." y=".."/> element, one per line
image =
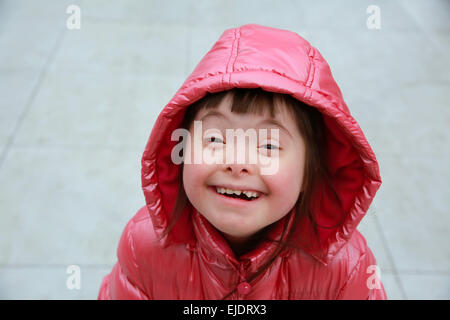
<point x="238" y="219"/>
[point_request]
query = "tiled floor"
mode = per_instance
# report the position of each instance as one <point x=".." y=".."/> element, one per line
<point x="77" y="106"/>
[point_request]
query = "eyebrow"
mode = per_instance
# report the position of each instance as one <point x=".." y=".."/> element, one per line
<point x="217" y="114"/>
<point x="214" y="113"/>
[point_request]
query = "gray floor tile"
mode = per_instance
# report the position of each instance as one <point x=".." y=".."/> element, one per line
<point x="426" y="286"/>
<point x="431" y="14"/>
<point x="31" y="11"/>
<point x="412" y="120"/>
<point x="29" y="32"/>
<point x="67" y="205"/>
<point x="297" y="14"/>
<point x="412" y="210"/>
<point x="16" y="88"/>
<point x="442" y="40"/>
<point x="136" y="12"/>
<point x="205" y="14"/>
<point x="352" y="14"/>
<point x="392" y="286"/>
<point x="369" y="229"/>
<point x="124" y="49"/>
<point x="96" y="109"/>
<point x="50" y="282"/>
<point x="27" y="47"/>
<point x="380" y="60"/>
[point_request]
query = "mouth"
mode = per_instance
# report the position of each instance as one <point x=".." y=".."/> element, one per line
<point x="238" y="197"/>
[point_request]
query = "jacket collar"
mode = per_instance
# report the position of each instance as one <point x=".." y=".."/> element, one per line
<point x="216" y="250"/>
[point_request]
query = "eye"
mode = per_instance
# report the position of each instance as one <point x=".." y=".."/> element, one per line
<point x="214" y="139"/>
<point x="271" y="146"/>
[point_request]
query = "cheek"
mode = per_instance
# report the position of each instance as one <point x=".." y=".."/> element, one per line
<point x="194" y="176"/>
<point x="286" y="184"/>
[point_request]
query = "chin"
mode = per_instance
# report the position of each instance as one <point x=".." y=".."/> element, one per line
<point x="232" y="228"/>
<point x="237" y="230"/>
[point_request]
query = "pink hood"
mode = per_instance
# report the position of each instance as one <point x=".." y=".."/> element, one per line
<point x="279" y="61"/>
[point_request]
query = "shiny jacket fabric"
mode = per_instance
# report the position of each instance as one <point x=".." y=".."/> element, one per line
<point x="194" y="261"/>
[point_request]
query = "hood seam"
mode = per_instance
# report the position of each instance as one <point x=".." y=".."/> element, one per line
<point x="238" y="38"/>
<point x="189" y="85"/>
<point x="312" y="67"/>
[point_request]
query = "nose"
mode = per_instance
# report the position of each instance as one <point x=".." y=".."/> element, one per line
<point x="243" y="159"/>
<point x="239" y="169"/>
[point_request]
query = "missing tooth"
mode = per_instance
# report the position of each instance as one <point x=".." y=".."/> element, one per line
<point x="242" y="196"/>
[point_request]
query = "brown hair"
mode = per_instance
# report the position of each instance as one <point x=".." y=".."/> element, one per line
<point x="310" y="124"/>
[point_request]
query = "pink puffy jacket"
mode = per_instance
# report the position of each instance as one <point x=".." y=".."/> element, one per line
<point x="194" y="261"/>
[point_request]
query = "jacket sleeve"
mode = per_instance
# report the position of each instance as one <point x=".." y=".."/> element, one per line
<point x="364" y="281"/>
<point x="124" y="281"/>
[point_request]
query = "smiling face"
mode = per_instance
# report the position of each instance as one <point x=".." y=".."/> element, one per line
<point x="238" y="220"/>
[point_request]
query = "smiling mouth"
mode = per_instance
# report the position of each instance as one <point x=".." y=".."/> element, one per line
<point x="241" y="195"/>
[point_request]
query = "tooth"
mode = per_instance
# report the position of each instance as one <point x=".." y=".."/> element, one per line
<point x="220" y="190"/>
<point x="251" y="194"/>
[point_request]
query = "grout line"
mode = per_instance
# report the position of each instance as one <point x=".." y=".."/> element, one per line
<point x="390" y="257"/>
<point x="188" y="69"/>
<point x="31" y="97"/>
<point x="425" y="32"/>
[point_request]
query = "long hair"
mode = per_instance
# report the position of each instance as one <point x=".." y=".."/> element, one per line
<point x="311" y="127"/>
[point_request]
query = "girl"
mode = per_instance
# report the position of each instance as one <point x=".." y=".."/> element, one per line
<point x="225" y="230"/>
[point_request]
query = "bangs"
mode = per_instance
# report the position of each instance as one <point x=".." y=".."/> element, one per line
<point x="253" y="101"/>
<point x="243" y="101"/>
<point x="258" y="102"/>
